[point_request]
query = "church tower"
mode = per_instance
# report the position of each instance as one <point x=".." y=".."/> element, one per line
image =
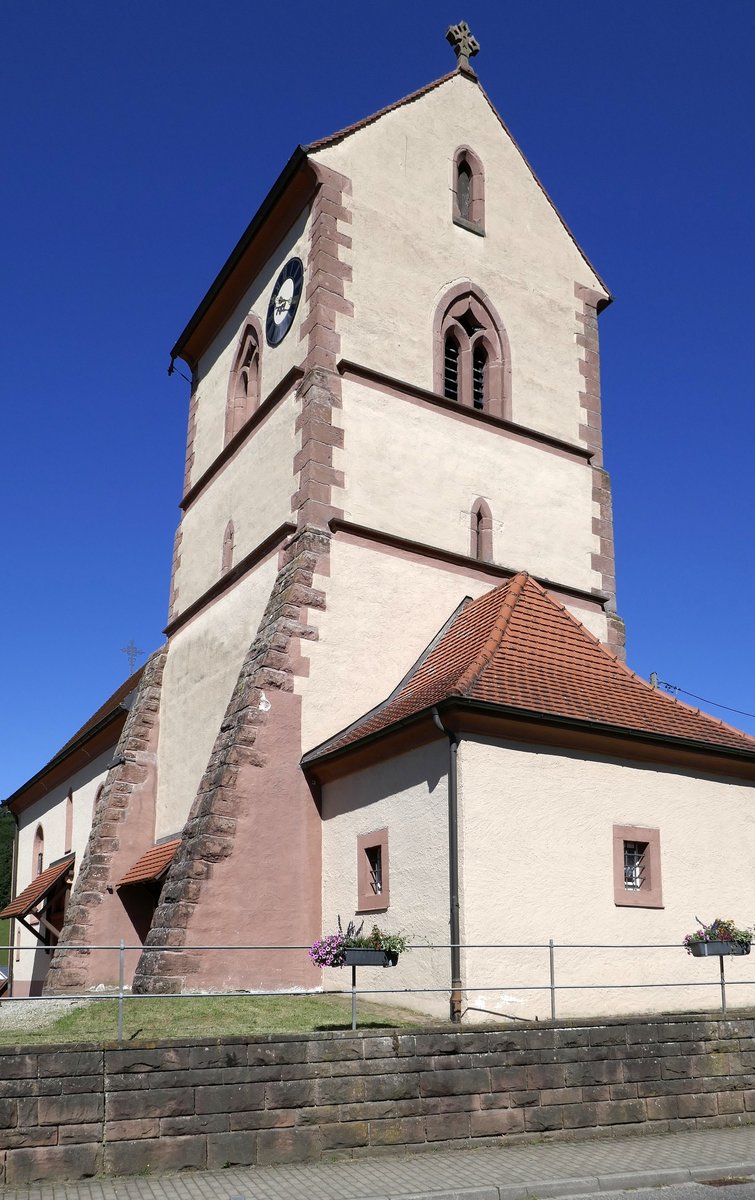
<point x="395" y="404"/>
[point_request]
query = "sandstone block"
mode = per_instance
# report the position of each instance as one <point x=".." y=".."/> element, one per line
<point x="495" y="1122"/>
<point x="295" y="1093"/>
<point x="344" y="1135"/>
<point x="447" y="1127"/>
<point x="287" y="1145"/>
<point x="154" y="1102"/>
<point x="452" y="1083"/>
<point x="126" y="1131"/>
<point x="154" y="1154"/>
<point x="346" y="1090"/>
<point x="231" y="1150"/>
<point x="537" y="1120"/>
<point x="76" y="1109"/>
<point x="233" y="1097"/>
<point x="52" y="1162"/>
<point x="397" y="1132"/>
<point x="621" y="1112"/>
<point x="697" y="1106"/>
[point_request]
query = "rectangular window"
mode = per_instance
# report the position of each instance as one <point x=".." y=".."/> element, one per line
<point x="637" y="867"/>
<point x="372" y="871"/>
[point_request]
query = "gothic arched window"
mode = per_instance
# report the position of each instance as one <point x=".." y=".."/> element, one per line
<point x="472" y="356"/>
<point x="38" y="856"/>
<point x="228" y="544"/>
<point x="468" y="190"/>
<point x="481" y="532"/>
<point x="244" y="383"/>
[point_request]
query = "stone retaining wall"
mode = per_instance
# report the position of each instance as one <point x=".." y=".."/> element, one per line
<point x="69" y="1112"/>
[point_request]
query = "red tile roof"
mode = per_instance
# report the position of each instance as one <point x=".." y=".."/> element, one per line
<point x="518" y="648"/>
<point x="151" y="865"/>
<point x="37" y="889"/>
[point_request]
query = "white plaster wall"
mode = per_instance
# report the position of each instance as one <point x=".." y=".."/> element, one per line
<point x="382" y="611"/>
<point x="432" y="470"/>
<point x="50" y="813"/>
<point x="215" y="365"/>
<point x="204" y="660"/>
<point x="407" y="252"/>
<point x="253" y="490"/>
<point x="408" y="796"/>
<point x="536" y="833"/>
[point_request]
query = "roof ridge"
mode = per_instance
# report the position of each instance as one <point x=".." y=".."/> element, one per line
<point x="625" y="670"/>
<point x="347" y="130"/>
<point x="544" y="190"/>
<point x="514" y="589"/>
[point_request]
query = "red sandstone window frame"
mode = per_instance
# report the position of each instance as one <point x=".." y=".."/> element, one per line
<point x="474" y="217"/>
<point x="245" y="381"/>
<point x="367" y="899"/>
<point x="466" y="313"/>
<point x="229" y="542"/>
<point x="481" y="532"/>
<point x="649" y="893"/>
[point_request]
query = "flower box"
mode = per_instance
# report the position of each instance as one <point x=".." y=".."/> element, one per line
<point x="356" y="956"/>
<point x="708" y="949"/>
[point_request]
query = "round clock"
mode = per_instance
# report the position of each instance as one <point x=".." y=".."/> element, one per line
<point x="284" y="301"/>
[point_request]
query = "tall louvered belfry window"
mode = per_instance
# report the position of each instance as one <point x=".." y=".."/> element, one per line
<point x="451" y="368"/>
<point x="472" y="356"/>
<point x="479" y="365"/>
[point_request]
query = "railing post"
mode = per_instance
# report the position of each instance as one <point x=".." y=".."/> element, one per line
<point x="121" y="978"/>
<point x="353" y="996"/>
<point x="723" y="985"/>
<point x="552" y="968"/>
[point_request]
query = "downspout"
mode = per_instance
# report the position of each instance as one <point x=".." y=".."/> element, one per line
<point x="453" y="866"/>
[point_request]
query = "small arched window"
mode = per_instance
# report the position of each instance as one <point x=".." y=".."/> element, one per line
<point x="481" y="532"/>
<point x="69" y="823"/>
<point x="468" y="190"/>
<point x="38" y="858"/>
<point x="228" y="544"/>
<point x="244" y="383"/>
<point x="472" y="357"/>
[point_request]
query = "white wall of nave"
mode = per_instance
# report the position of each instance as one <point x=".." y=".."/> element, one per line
<point x="50" y="813"/>
<point x="536" y="836"/>
<point x="408" y="795"/>
<point x="200" y="674"/>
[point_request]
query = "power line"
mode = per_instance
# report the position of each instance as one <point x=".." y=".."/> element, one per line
<point x="673" y="687"/>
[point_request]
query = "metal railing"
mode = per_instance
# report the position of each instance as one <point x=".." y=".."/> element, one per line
<point x="552" y="987"/>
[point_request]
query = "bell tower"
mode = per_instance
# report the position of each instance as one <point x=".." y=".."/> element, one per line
<point x="395" y="404"/>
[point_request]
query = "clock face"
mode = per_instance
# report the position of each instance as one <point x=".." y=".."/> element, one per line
<point x="284" y="301"/>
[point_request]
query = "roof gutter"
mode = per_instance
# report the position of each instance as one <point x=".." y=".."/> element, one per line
<point x="453" y="865"/>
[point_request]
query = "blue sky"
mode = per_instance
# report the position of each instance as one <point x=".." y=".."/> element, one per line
<point x="137" y="142"/>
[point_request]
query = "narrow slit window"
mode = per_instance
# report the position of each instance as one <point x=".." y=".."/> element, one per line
<point x="479" y="365"/>
<point x="372" y="872"/>
<point x="451" y="369"/>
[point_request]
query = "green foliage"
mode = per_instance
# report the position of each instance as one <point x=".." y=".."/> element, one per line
<point x="7" y="834"/>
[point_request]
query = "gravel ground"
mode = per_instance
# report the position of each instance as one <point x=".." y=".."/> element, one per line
<point x="35" y="1014"/>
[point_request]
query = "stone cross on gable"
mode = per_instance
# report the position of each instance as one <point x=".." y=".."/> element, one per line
<point x="133" y="652"/>
<point x="465" y="45"/>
